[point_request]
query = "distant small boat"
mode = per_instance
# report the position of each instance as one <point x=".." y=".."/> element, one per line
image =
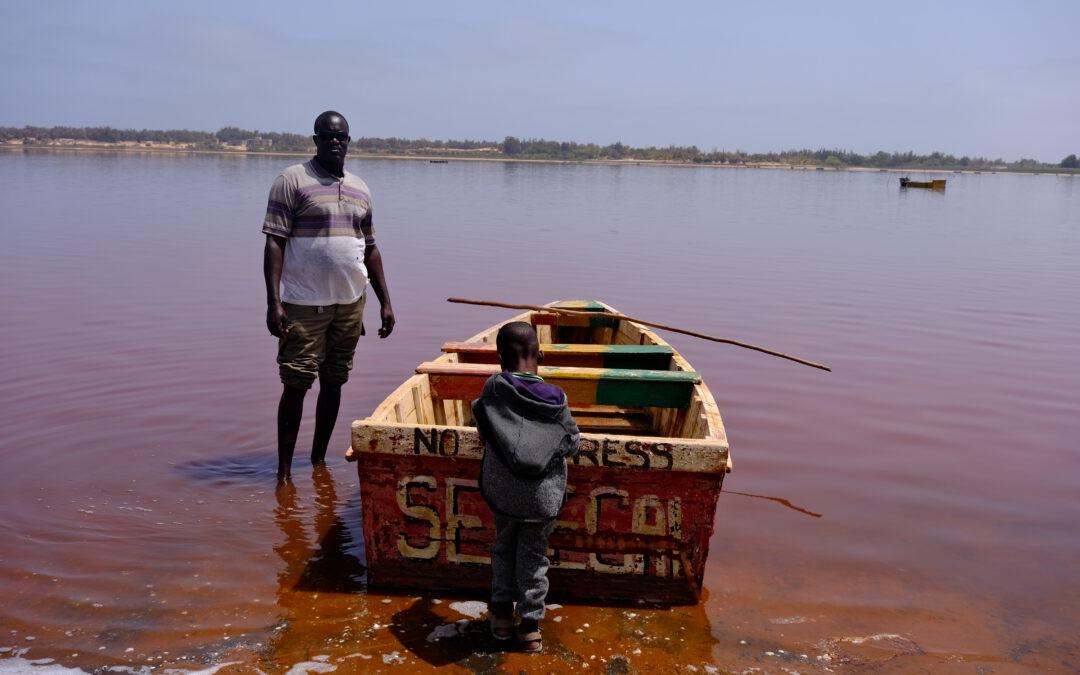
<point x="438" y="161"/>
<point x="938" y="184"/>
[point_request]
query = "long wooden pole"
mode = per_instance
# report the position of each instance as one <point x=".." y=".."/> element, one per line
<point x="703" y="336"/>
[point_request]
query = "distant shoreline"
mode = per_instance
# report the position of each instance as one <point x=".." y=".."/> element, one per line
<point x="163" y="149"/>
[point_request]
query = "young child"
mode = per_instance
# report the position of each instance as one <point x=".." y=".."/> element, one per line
<point x="528" y="433"/>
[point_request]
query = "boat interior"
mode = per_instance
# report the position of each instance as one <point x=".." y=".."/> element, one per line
<point x="619" y="377"/>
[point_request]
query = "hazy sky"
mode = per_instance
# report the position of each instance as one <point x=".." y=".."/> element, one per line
<point x="987" y="78"/>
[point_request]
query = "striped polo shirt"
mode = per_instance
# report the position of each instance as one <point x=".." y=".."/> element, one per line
<point x="327" y="222"/>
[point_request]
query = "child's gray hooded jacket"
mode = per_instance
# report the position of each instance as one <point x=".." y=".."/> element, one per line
<point x="526" y="442"/>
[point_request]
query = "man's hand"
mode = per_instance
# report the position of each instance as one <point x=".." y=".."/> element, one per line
<point x="387" y="315"/>
<point x="277" y="322"/>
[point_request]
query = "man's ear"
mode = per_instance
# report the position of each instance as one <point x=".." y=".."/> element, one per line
<point x="540" y="356"/>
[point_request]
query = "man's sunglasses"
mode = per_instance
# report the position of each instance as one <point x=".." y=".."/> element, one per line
<point x="334" y="135"/>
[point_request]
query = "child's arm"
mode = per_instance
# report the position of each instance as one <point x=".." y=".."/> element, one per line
<point x="575" y="444"/>
<point x="575" y="434"/>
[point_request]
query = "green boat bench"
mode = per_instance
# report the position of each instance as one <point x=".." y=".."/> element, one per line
<point x="583" y="386"/>
<point x="646" y="357"/>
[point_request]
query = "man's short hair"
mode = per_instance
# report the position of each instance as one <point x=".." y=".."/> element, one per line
<point x="321" y="120"/>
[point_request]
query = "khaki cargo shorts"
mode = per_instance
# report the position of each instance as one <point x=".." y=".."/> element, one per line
<point x="320" y="343"/>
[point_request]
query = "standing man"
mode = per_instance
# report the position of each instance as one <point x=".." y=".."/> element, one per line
<point x="319" y="256"/>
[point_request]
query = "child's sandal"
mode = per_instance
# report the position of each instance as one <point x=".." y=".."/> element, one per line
<point x="502" y="627"/>
<point x="530" y="642"/>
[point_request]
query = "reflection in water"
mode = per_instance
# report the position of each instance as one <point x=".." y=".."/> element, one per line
<point x="324" y="566"/>
<point x="320" y="582"/>
<point x="778" y="500"/>
<point x="293" y="547"/>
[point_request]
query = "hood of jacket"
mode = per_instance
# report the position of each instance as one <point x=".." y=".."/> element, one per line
<point x="528" y="434"/>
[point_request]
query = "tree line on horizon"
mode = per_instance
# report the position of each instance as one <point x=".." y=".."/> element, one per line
<point x="542" y="149"/>
<point x="234" y="138"/>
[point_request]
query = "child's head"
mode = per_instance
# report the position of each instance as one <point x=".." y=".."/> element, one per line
<point x="519" y="349"/>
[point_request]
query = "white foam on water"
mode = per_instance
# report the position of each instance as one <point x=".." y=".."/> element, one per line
<point x="21" y="666"/>
<point x="204" y="671"/>
<point x="146" y="670"/>
<point x="311" y="667"/>
<point x="858" y="640"/>
<point x="473" y="609"/>
<point x="446" y="630"/>
<point x="443" y="630"/>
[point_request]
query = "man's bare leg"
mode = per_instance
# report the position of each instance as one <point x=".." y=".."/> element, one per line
<point x="326" y="412"/>
<point x="290" y="412"/>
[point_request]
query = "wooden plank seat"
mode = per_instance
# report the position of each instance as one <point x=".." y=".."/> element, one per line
<point x="597" y="327"/>
<point x="589" y="386"/>
<point x="575" y="320"/>
<point x="650" y="357"/>
<point x="582" y="305"/>
<point x="555" y="319"/>
<point x="623" y="426"/>
<point x="606" y="419"/>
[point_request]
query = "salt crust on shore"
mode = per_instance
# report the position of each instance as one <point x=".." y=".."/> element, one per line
<point x="21" y="666"/>
<point x="448" y="630"/>
<point x="474" y="609"/>
<point x="308" y="667"/>
<point x="17" y="665"/>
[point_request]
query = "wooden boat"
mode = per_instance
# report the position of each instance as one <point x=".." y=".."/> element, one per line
<point x="938" y="184"/>
<point x="642" y="490"/>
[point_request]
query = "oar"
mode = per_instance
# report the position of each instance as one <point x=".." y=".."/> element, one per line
<point x="559" y="310"/>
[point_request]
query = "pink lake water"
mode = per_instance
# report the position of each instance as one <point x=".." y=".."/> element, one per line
<point x="915" y="510"/>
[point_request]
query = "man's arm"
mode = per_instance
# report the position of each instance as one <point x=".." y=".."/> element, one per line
<point x="273" y="258"/>
<point x="373" y="262"/>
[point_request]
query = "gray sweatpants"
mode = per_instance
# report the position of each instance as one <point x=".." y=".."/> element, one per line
<point x="519" y="565"/>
